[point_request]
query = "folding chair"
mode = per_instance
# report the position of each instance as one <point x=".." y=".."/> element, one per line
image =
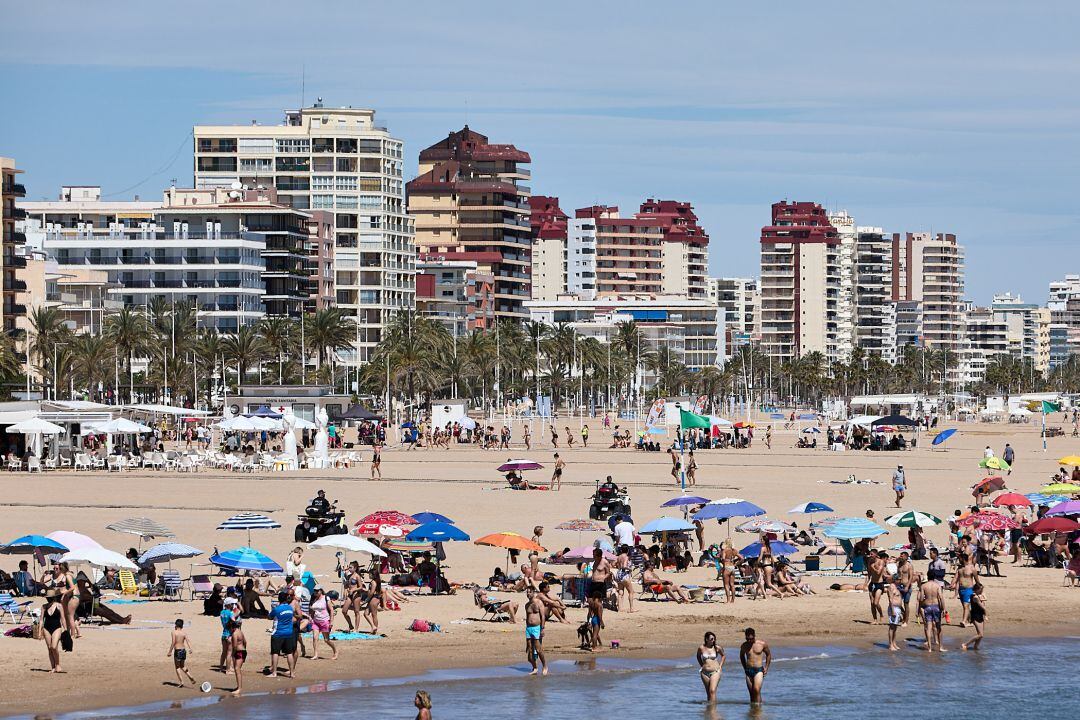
<point x="13" y="608"/>
<point x="171" y="584"/>
<point x="128" y="586"/>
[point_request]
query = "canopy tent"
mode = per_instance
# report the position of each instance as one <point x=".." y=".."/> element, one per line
<point x="237" y="424"/>
<point x="118" y="426"/>
<point x="894" y="421"/>
<point x="264" y="411"/>
<point x="358" y="412"/>
<point x="35" y="429"/>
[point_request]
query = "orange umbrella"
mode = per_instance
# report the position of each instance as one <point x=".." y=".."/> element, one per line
<point x="510" y="541"/>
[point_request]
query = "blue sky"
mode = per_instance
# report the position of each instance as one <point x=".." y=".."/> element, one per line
<point x="960" y="117"/>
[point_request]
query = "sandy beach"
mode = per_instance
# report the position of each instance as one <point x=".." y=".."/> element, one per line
<point x="127" y="665"/>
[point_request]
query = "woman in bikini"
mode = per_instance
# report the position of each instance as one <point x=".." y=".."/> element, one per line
<point x="65" y="580"/>
<point x="710" y="657"/>
<point x="373" y="593"/>
<point x="729" y="560"/>
<point x="53" y="625"/>
<point x="623" y="581"/>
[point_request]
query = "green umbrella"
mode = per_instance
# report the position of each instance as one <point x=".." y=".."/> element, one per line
<point x="994" y="463"/>
<point x="913" y="518"/>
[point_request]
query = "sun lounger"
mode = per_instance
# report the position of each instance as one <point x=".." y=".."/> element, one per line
<point x="13" y="608"/>
<point x="492" y="610"/>
<point x="201" y="586"/>
<point x="128" y="586"/>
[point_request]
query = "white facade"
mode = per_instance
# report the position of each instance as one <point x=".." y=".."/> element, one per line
<point x="549" y="265"/>
<point x="581" y="258"/>
<point x="874" y="309"/>
<point x="845" y="303"/>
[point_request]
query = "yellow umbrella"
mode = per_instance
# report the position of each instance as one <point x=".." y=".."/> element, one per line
<point x="1061" y="488"/>
<point x="1070" y="460"/>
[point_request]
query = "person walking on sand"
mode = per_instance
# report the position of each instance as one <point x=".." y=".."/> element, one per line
<point x="53" y="626"/>
<point x="422" y="702"/>
<point x="554" y="436"/>
<point x="768" y="437"/>
<point x="179" y="647"/>
<point x="585" y="435"/>
<point x="691" y="469"/>
<point x="534" y="630"/>
<point x="931" y="607"/>
<point x="230" y="610"/>
<point x="376" y="461"/>
<point x="283" y="639"/>
<point x="756" y="657"/>
<point x="239" y="654"/>
<point x="710" y="657"/>
<point x="674" y="464"/>
<point x="526" y="435"/>
<point x="569" y="437"/>
<point x="1009" y="456"/>
<point x="556" y="476"/>
<point x="899" y="483"/>
<point x="978" y="618"/>
<point x="967" y="575"/>
<point x="895" y="612"/>
<point x="322" y="621"/>
<point x="875" y="583"/>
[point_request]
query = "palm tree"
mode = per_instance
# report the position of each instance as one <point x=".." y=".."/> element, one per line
<point x="49" y="332"/>
<point x="129" y="332"/>
<point x="276" y="332"/>
<point x="414" y="348"/>
<point x="244" y="349"/>
<point x="92" y="358"/>
<point x="326" y="332"/>
<point x="10" y="364"/>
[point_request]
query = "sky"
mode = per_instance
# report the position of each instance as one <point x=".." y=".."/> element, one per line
<point x="959" y="117"/>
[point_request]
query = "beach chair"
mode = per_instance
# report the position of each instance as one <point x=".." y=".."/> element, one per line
<point x="13" y="608"/>
<point x="185" y="464"/>
<point x="14" y="464"/>
<point x="493" y="611"/>
<point x="97" y="462"/>
<point x="82" y="461"/>
<point x="33" y="464"/>
<point x="116" y="463"/>
<point x="200" y="586"/>
<point x="65" y="458"/>
<point x="128" y="586"/>
<point x="171" y="584"/>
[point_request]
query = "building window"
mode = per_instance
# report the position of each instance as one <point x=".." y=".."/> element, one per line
<point x="256" y="165"/>
<point x="322" y="182"/>
<point x="293" y="164"/>
<point x="293" y="145"/>
<point x="217" y="164"/>
<point x="346" y="165"/>
<point x="371" y="184"/>
<point x="371" y="202"/>
<point x="322" y="145"/>
<point x="322" y="202"/>
<point x="256" y="146"/>
<point x="346" y="201"/>
<point x="345" y="182"/>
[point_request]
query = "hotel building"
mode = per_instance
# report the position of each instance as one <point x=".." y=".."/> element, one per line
<point x="10" y="262"/>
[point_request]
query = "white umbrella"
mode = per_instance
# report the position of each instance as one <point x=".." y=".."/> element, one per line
<point x="262" y="423"/>
<point x="35" y="426"/>
<point x="237" y="424"/>
<point x="73" y="540"/>
<point x="121" y="426"/>
<point x="350" y="543"/>
<point x="99" y="557"/>
<point x="302" y="424"/>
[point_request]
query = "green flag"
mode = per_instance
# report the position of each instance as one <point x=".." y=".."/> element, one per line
<point x="1049" y="407"/>
<point x="693" y="420"/>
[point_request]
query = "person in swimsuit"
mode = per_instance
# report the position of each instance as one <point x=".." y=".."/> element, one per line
<point x="556" y="477"/>
<point x="374" y="602"/>
<point x="53" y="625"/>
<point x="230" y="610"/>
<point x="710" y="658"/>
<point x="875" y="582"/>
<point x="756" y="657"/>
<point x="978" y="617"/>
<point x="932" y="607"/>
<point x="675" y="464"/>
<point x="179" y="647"/>
<point x="729" y="560"/>
<point x="322" y="621"/>
<point x="596" y="593"/>
<point x="65" y="580"/>
<point x="905" y="583"/>
<point x="899" y="483"/>
<point x="239" y="653"/>
<point x="569" y="438"/>
<point x="376" y="461"/>
<point x="534" y="629"/>
<point x="554" y="438"/>
<point x="422" y="702"/>
<point x="623" y="580"/>
<point x="585" y="435"/>
<point x="966" y="577"/>
<point x="895" y="611"/>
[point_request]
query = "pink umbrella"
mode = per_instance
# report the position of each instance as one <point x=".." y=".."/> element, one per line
<point x="1069" y="507"/>
<point x="387" y="517"/>
<point x="73" y="540"/>
<point x="989" y="521"/>
<point x="519" y="465"/>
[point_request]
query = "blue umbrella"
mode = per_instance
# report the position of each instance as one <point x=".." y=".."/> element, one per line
<point x="245" y="558"/>
<point x="943" y="436"/>
<point x="27" y="544"/>
<point x="429" y="517"/>
<point x="853" y="528"/>
<point x="728" y="508"/>
<point x="777" y="547"/>
<point x="776" y="416"/>
<point x="810" y="507"/>
<point x="167" y="552"/>
<point x="1042" y="499"/>
<point x="666" y="524"/>
<point x="437" y="532"/>
<point x="812" y="430"/>
<point x="685" y="500"/>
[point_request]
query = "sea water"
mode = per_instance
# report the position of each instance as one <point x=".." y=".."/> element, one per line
<point x="1007" y="678"/>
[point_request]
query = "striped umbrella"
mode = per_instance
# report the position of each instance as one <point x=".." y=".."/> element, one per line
<point x="245" y="558"/>
<point x="853" y="528"/>
<point x="765" y="525"/>
<point x="248" y="521"/>
<point x="913" y="518"/>
<point x="167" y="552"/>
<point x="145" y="528"/>
<point x="1044" y="499"/>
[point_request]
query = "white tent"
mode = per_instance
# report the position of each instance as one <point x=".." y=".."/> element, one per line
<point x="119" y="426"/>
<point x="237" y="424"/>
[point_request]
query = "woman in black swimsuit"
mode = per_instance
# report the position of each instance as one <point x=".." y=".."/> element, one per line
<point x="53" y="625"/>
<point x="977" y="616"/>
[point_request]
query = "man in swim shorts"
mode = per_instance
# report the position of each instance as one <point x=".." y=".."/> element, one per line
<point x="534" y="629"/>
<point x="932" y="608"/>
<point x="899" y="483"/>
<point x="895" y="612"/>
<point x="966" y="577"/>
<point x="875" y="583"/>
<point x="756" y="657"/>
<point x="597" y="592"/>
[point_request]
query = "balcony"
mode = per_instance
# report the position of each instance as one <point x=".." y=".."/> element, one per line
<point x="16" y="189"/>
<point x="14" y="285"/>
<point x="14" y="261"/>
<point x="14" y="309"/>
<point x="14" y="213"/>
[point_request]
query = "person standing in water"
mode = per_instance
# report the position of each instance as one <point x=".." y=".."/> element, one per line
<point x="422" y="702"/>
<point x="710" y="657"/>
<point x="895" y="611"/>
<point x="756" y="657"/>
<point x="534" y="630"/>
<point x="978" y="617"/>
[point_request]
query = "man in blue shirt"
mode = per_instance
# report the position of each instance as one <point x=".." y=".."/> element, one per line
<point x="283" y="641"/>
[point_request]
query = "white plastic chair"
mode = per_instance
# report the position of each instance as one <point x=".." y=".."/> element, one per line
<point x="82" y="460"/>
<point x="116" y="463"/>
<point x="32" y="464"/>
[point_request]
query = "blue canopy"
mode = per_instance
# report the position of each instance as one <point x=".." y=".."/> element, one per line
<point x="27" y="544"/>
<point x="776" y="416"/>
<point x="810" y="507"/>
<point x="943" y="436"/>
<point x="777" y="547"/>
<point x="264" y="412"/>
<point x="429" y="517"/>
<point x="728" y="508"/>
<point x="245" y="558"/>
<point x="437" y="532"/>
<point x="854" y="528"/>
<point x="686" y="500"/>
<point x="667" y="524"/>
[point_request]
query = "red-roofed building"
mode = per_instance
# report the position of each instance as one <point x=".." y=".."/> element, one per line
<point x="470" y="200"/>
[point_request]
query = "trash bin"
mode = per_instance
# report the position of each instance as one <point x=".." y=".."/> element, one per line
<point x="813" y="562"/>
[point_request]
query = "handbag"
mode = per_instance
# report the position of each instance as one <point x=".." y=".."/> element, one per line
<point x="66" y="642"/>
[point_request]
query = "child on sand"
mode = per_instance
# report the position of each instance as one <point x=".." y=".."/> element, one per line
<point x="239" y="653"/>
<point x="179" y="647"/>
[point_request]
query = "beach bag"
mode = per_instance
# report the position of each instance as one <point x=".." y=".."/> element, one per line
<point x="37" y="632"/>
<point x="66" y="642"/>
<point x="21" y="631"/>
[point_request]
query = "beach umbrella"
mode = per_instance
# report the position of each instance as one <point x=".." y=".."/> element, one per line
<point x="913" y="518"/>
<point x="987" y="485"/>
<point x="1061" y="488"/>
<point x="1052" y="524"/>
<point x="521" y="464"/>
<point x="426" y="517"/>
<point x="812" y="430"/>
<point x="35" y="426"/>
<point x="986" y="520"/>
<point x="777" y="548"/>
<point x="993" y="463"/>
<point x="265" y="423"/>
<point x="383" y="529"/>
<point x="348" y="543"/>
<point x="121" y="426"/>
<point x="245" y="558"/>
<point x="764" y="525"/>
<point x="853" y="528"/>
<point x="438" y="532"/>
<point x="811" y="507"/>
<point x="1035" y="498"/>
<point x="581" y="525"/>
<point x="248" y="521"/>
<point x="943" y="436"/>
<point x="167" y="552"/>
<point x="99" y="557"/>
<point x="1011" y="498"/>
<point x="509" y="541"/>
<point x="1069" y="507"/>
<point x="388" y="517"/>
<point x="1069" y="460"/>
<point x="666" y="524"/>
<point x="28" y="544"/>
<point x="145" y="528"/>
<point x="300" y="423"/>
<point x="237" y="424"/>
<point x="728" y="508"/>
<point x="72" y="540"/>
<point x="895" y="420"/>
<point x="686" y="500"/>
<point x="408" y="546"/>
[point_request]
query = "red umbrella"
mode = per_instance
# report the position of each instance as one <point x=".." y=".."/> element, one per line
<point x="1052" y="524"/>
<point x="387" y="517"/>
<point x="384" y="529"/>
<point x="987" y="485"/>
<point x="991" y="521"/>
<point x="1011" y="498"/>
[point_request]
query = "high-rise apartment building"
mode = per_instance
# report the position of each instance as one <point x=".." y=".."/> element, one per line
<point x="11" y="309"/>
<point x="738" y="300"/>
<point x="470" y="199"/>
<point x="340" y="161"/>
<point x="1064" y="306"/>
<point x="874" y="309"/>
<point x="549" y="247"/>
<point x="986" y="338"/>
<point x="660" y="250"/>
<point x="800" y="282"/>
<point x="455" y="293"/>
<point x="1028" y="329"/>
<point x="845" y="302"/>
<point x="928" y="269"/>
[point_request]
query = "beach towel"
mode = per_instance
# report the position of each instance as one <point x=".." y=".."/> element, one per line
<point x="354" y="636"/>
<point x="22" y="631"/>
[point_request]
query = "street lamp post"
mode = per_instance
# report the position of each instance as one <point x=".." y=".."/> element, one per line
<point x="56" y="374"/>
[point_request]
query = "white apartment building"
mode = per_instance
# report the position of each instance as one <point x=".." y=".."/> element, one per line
<point x="1028" y="329"/>
<point x="339" y="160"/>
<point x="874" y="310"/>
<point x="929" y="269"/>
<point x="581" y="258"/>
<point x="845" y="304"/>
<point x="738" y="300"/>
<point x="987" y="337"/>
